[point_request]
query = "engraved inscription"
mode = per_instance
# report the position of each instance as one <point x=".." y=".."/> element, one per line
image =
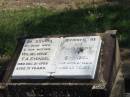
<point x="69" y="57"/>
<point x="35" y="57"/>
<point x="78" y="57"/>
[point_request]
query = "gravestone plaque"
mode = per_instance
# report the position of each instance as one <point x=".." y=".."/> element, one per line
<point x="34" y="58"/>
<point x="69" y="57"/>
<point x="78" y="57"/>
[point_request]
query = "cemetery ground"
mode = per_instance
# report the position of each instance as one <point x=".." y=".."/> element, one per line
<point x="39" y="21"/>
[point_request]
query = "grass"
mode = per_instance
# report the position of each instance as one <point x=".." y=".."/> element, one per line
<point x="40" y="21"/>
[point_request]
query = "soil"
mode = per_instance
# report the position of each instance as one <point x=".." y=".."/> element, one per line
<point x="51" y="4"/>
